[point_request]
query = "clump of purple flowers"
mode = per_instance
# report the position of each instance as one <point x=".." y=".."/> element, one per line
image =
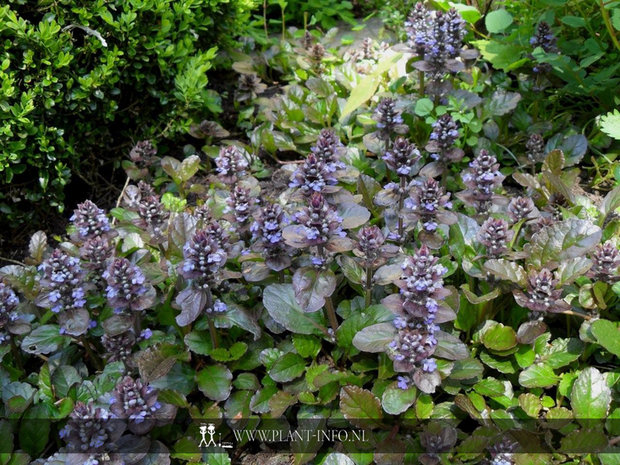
<point x="328" y="149"/>
<point x="231" y="164"/>
<point x="371" y="248"/>
<point x="482" y="179"/>
<point x="495" y="235"/>
<point x="522" y="208"/>
<point x="535" y="147"/>
<point x="203" y="257"/>
<point x="239" y="204"/>
<point x="317" y="223"/>
<point x="90" y="221"/>
<point x="542" y="295"/>
<point x="143" y="152"/>
<point x="388" y="118"/>
<point x="442" y="139"/>
<point x="428" y="202"/>
<point x="402" y="157"/>
<point x="418" y="28"/>
<point x="137" y="403"/>
<point x="8" y="303"/>
<point x="313" y="176"/>
<point x="416" y="307"/>
<point x="267" y="237"/>
<point x="127" y="287"/>
<point x="62" y="283"/>
<point x="91" y="431"/>
<point x="95" y="253"/>
<point x="544" y="39"/>
<point x="437" y="38"/>
<point x="153" y="217"/>
<point x="118" y="347"/>
<point x="605" y="263"/>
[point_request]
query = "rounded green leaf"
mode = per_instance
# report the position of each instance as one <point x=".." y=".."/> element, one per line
<point x="499" y="337"/>
<point x="497" y="21"/>
<point x="607" y="334"/>
<point x="396" y="400"/>
<point x="215" y="382"/>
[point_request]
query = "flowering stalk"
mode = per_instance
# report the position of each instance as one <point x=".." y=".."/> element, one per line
<point x="416" y="306"/>
<point x="329" y="304"/>
<point x="372" y="252"/>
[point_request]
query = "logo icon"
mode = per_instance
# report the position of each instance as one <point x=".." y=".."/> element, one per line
<point x="209" y="429"/>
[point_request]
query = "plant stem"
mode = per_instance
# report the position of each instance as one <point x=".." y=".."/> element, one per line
<point x="265" y="19"/>
<point x="91" y="355"/>
<point x="283" y="24"/>
<point x="368" y="286"/>
<point x="120" y="197"/>
<point x="331" y="313"/>
<point x="401" y="200"/>
<point x="213" y="334"/>
<point x="329" y="304"/>
<point x="608" y="25"/>
<point x="421" y="80"/>
<point x="16" y="354"/>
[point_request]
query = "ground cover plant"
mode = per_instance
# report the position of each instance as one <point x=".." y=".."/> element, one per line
<point x="409" y="246"/>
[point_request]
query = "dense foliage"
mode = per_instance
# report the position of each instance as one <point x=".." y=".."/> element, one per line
<point x="80" y="79"/>
<point x="404" y="239"/>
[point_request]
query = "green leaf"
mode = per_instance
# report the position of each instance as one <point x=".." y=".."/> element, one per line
<point x="423" y="107"/>
<point x="573" y="21"/>
<point x="367" y="87"/>
<point x="215" y="382"/>
<point x="561" y="352"/>
<point x="64" y="378"/>
<point x="396" y="400"/>
<point x="607" y="334"/>
<point x="499" y="337"/>
<point x="198" y="342"/>
<point x="569" y="239"/>
<point x="530" y="404"/>
<point x="497" y="21"/>
<point x="610" y="123"/>
<point x="43" y="340"/>
<point x="280" y="302"/>
<point x="468" y="13"/>
<point x="45" y="383"/>
<point x="590" y="397"/>
<point x="466" y="369"/>
<point x="218" y="458"/>
<point x="357" y="403"/>
<point x="505" y="269"/>
<point x="287" y="368"/>
<point x="538" y="375"/>
<point x="306" y="346"/>
<point x="501" y="56"/>
<point x="34" y="430"/>
<point x="490" y="387"/>
<point x="374" y="338"/>
<point x="236" y="351"/>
